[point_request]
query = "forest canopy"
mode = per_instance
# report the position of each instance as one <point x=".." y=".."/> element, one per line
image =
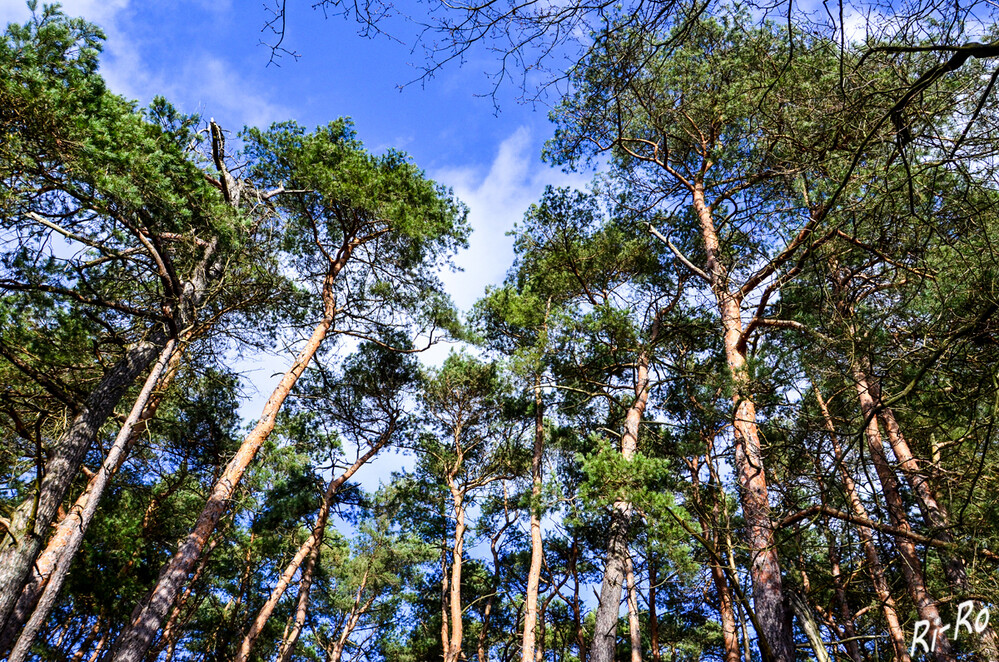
<point x="736" y="400"/>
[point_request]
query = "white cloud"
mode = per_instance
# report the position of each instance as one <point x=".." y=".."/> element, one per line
<point x="497" y="200"/>
<point x="195" y="81"/>
<point x="96" y="11"/>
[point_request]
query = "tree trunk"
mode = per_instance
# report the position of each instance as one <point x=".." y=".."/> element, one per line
<point x="81" y="651"/>
<point x="357" y="610"/>
<point x="31" y="523"/>
<point x="172" y="629"/>
<point x="577" y="609"/>
<point x="534" y="573"/>
<point x="305" y="551"/>
<point x="768" y="594"/>
<point x="874" y="566"/>
<point x="849" y="630"/>
<point x="911" y="565"/>
<point x="808" y="625"/>
<point x="726" y="610"/>
<point x="68" y="527"/>
<point x="137" y="638"/>
<point x="609" y="609"/>
<point x="653" y="616"/>
<point x="80" y="521"/>
<point x="453" y="650"/>
<point x="938" y="520"/>
<point x="288" y="642"/>
<point x="634" y="626"/>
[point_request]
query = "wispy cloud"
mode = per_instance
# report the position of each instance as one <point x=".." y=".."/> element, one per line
<point x="497" y="200"/>
<point x="195" y="80"/>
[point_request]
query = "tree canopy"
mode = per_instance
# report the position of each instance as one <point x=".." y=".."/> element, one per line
<point x="737" y="400"/>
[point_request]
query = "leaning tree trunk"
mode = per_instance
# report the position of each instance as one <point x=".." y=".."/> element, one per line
<point x="938" y="520"/>
<point x="911" y="564"/>
<point x="874" y="566"/>
<point x="537" y="552"/>
<point x="138" y="637"/>
<point x="54" y="554"/>
<point x="297" y="621"/>
<point x="31" y="522"/>
<point x="615" y="567"/>
<point x="768" y="594"/>
<point x="808" y="625"/>
<point x="83" y="519"/>
<point x="315" y="538"/>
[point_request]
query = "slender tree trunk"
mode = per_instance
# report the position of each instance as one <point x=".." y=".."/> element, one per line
<point x="95" y="630"/>
<point x="445" y="580"/>
<point x="726" y="609"/>
<point x="849" y="630"/>
<point x="577" y="609"/>
<point x="911" y="564"/>
<point x="31" y="522"/>
<point x="137" y="638"/>
<point x="481" y="647"/>
<point x="453" y="651"/>
<point x="356" y="612"/>
<point x="653" y="616"/>
<point x="288" y="642"/>
<point x="874" y="566"/>
<point x="768" y="594"/>
<point x="537" y="553"/>
<point x="81" y="521"/>
<point x="315" y="539"/>
<point x="937" y="519"/>
<point x="634" y="626"/>
<point x="100" y="646"/>
<point x="608" y="611"/>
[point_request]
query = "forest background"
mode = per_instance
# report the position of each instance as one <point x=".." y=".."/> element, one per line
<point x="731" y="398"/>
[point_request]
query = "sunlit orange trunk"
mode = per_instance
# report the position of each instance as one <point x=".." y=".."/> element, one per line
<point x="453" y="650"/>
<point x="297" y="622"/>
<point x="768" y="593"/>
<point x="136" y="639"/>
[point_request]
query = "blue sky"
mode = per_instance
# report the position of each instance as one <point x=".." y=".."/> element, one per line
<point x="206" y="57"/>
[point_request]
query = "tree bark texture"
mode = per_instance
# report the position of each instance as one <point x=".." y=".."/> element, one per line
<point x="31" y="523"/>
<point x="874" y="566"/>
<point x="911" y="564"/>
<point x="452" y="651"/>
<point x="615" y="565"/>
<point x="768" y="594"/>
<point x="54" y="553"/>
